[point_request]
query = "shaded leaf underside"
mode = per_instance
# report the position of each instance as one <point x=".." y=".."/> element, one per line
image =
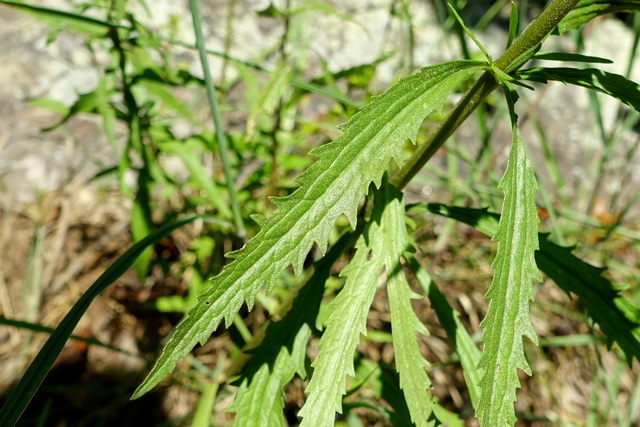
<point x="331" y="187"/>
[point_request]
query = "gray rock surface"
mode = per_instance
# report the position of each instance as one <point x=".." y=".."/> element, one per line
<point x="33" y="162"/>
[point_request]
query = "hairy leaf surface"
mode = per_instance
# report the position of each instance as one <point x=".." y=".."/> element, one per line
<point x="618" y="318"/>
<point x="507" y="319"/>
<point x="348" y="318"/>
<point x="331" y="187"/>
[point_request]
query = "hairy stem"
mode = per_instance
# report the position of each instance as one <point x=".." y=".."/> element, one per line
<point x="514" y="57"/>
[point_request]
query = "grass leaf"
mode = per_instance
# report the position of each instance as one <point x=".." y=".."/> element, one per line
<point x="33" y="377"/>
<point x="331" y="187"/>
<point x="508" y="319"/>
<point x="59" y="18"/>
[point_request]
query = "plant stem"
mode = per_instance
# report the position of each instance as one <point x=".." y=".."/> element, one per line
<point x="514" y="57"/>
<point x="217" y="121"/>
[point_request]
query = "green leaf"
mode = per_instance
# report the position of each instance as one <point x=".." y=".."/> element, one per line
<point x="86" y="103"/>
<point x="50" y="104"/>
<point x="33" y="377"/>
<point x="410" y="363"/>
<point x="348" y="318"/>
<point x="570" y="57"/>
<point x="57" y="18"/>
<point x="449" y="319"/>
<point x="514" y="23"/>
<point x="508" y="319"/>
<point x="202" y="415"/>
<point x="586" y="10"/>
<point x="282" y="352"/>
<point x="470" y="33"/>
<point x="36" y="327"/>
<point x="331" y="187"/>
<point x="160" y="91"/>
<point x="618" y="318"/>
<point x="187" y="151"/>
<point x="614" y="85"/>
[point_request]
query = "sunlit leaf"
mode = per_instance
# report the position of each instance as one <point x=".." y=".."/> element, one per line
<point x="507" y="319"/>
<point x="410" y="363"/>
<point x="449" y="318"/>
<point x="58" y="18"/>
<point x="618" y="318"/>
<point x="282" y="352"/>
<point x="374" y="249"/>
<point x="331" y="187"/>
<point x="35" y="374"/>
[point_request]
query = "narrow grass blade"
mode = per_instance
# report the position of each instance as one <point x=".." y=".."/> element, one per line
<point x="36" y="327"/>
<point x="215" y="112"/>
<point x="76" y="22"/>
<point x="204" y="410"/>
<point x="33" y="377"/>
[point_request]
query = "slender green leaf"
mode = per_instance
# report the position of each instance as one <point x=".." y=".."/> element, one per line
<point x="507" y="319"/>
<point x="410" y="363"/>
<point x="348" y="318"/>
<point x="514" y="23"/>
<point x="611" y="84"/>
<point x="570" y="57"/>
<point x="449" y="318"/>
<point x="446" y="417"/>
<point x="586" y="10"/>
<point x="50" y="104"/>
<point x="32" y="378"/>
<point x="618" y="318"/>
<point x="161" y="92"/>
<point x="187" y="151"/>
<point x="282" y="352"/>
<point x="202" y="415"/>
<point x="86" y="103"/>
<point x="470" y="33"/>
<point x="36" y="327"/>
<point x="331" y="187"/>
<point x="54" y="17"/>
<point x="221" y="138"/>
